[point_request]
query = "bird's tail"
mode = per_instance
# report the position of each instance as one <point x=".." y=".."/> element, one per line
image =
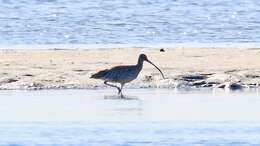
<point x="99" y="74"/>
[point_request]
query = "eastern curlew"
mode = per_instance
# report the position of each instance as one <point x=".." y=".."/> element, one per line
<point x="122" y="74"/>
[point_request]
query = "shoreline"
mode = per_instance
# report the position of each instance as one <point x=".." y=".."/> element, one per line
<point x="193" y="45"/>
<point x="205" y="67"/>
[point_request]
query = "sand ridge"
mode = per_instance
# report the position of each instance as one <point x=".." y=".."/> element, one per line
<point x="183" y="67"/>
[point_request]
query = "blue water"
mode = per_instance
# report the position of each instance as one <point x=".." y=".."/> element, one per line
<point x="151" y="118"/>
<point x="129" y="134"/>
<point x="128" y="22"/>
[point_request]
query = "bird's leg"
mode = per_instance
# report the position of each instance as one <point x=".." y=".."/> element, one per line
<point x="119" y="90"/>
<point x="121" y="94"/>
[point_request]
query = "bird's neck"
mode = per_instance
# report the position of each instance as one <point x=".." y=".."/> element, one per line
<point x="140" y="64"/>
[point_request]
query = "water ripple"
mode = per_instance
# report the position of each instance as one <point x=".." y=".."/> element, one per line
<point x="128" y="22"/>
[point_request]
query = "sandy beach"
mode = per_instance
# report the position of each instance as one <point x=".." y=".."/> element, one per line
<point x="233" y="68"/>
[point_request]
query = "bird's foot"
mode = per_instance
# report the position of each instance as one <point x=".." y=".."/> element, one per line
<point x="122" y="96"/>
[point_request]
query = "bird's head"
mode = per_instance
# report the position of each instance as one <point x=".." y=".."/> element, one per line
<point x="143" y="57"/>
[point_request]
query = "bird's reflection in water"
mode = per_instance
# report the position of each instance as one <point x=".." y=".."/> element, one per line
<point x="127" y="106"/>
<point x="118" y="97"/>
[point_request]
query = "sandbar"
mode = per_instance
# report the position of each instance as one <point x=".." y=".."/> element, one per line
<point x="183" y="67"/>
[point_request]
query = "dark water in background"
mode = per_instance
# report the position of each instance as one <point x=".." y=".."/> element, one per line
<point x="128" y="22"/>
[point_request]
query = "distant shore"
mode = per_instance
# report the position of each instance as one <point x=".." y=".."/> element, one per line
<point x="109" y="46"/>
<point x="184" y="67"/>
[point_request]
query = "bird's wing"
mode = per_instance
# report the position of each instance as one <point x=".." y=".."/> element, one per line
<point x="100" y="74"/>
<point x="119" y="73"/>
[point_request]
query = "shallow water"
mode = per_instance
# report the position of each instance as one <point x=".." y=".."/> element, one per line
<point x="128" y="22"/>
<point x="148" y="117"/>
<point x="130" y="134"/>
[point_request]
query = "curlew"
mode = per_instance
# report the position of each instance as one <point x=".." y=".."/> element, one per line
<point x="123" y="74"/>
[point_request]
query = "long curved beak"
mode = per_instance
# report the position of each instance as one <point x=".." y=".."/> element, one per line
<point x="155" y="67"/>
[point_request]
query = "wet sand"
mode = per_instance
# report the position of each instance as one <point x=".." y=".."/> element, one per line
<point x="200" y="67"/>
